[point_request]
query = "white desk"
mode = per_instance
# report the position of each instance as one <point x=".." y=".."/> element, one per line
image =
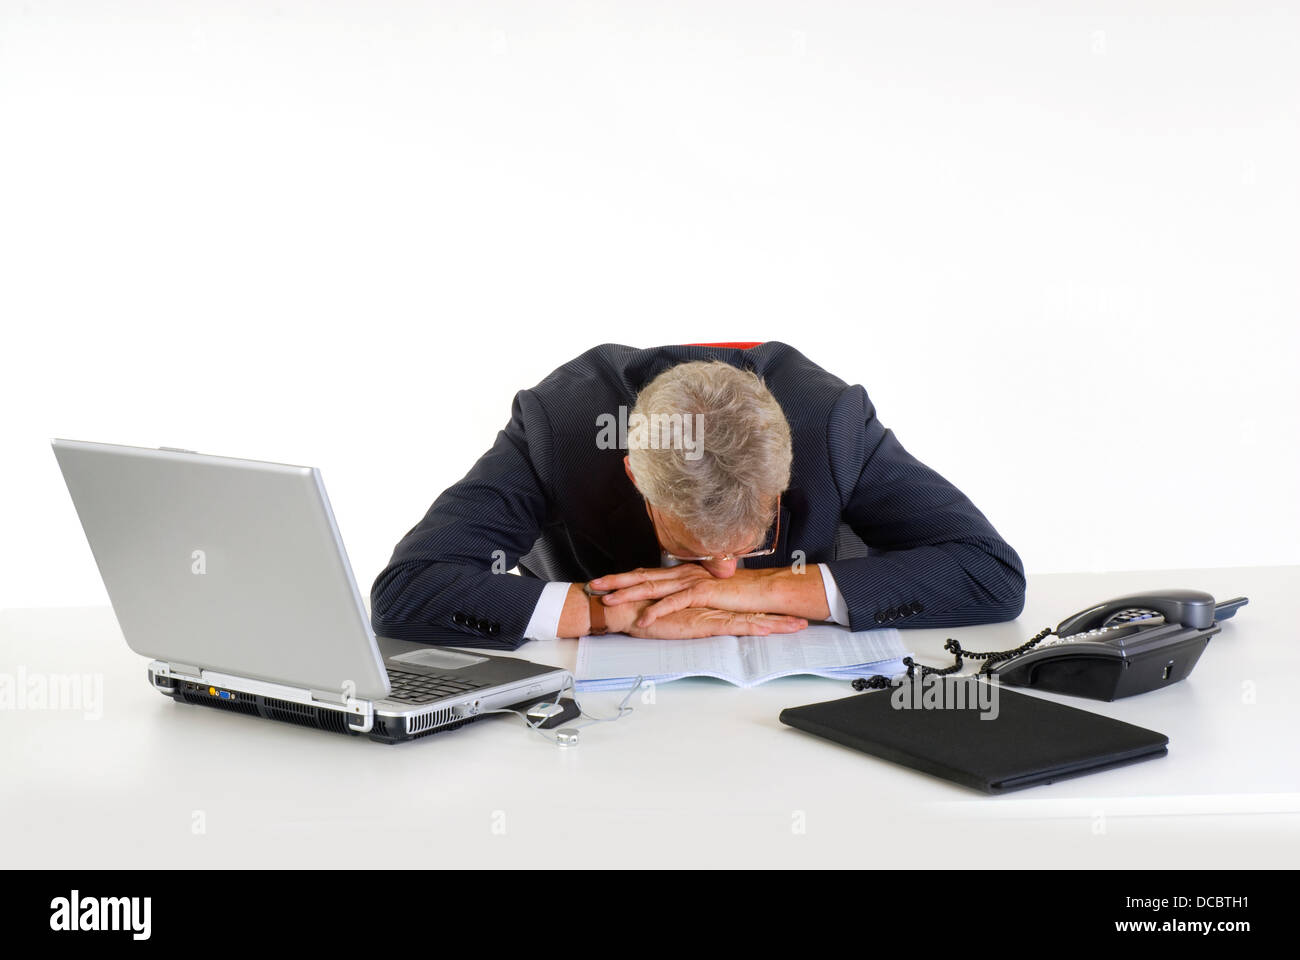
<point x="703" y="776"/>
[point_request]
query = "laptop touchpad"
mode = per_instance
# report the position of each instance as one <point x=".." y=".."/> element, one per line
<point x="440" y="659"/>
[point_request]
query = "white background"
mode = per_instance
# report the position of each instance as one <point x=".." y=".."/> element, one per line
<point x="1056" y="242"/>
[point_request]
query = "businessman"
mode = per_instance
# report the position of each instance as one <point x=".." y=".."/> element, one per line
<point x="690" y="491"/>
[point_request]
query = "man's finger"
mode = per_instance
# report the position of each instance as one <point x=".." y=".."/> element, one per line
<point x="647" y="590"/>
<point x="617" y="581"/>
<point x="774" y="622"/>
<point x="744" y="628"/>
<point x="783" y="624"/>
<point x="669" y="604"/>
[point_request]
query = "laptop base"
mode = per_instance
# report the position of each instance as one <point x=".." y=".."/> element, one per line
<point x="386" y="729"/>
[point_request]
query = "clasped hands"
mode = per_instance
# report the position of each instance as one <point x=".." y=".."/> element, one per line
<point x="686" y="601"/>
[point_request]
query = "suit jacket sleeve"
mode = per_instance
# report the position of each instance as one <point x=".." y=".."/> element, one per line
<point x="933" y="559"/>
<point x="440" y="584"/>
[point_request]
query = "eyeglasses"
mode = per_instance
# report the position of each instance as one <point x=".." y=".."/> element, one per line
<point x="767" y="552"/>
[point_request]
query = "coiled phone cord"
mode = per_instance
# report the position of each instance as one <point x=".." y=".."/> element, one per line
<point x="880" y="681"/>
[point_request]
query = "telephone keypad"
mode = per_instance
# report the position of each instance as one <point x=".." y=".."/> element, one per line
<point x="1131" y="615"/>
<point x="1095" y="635"/>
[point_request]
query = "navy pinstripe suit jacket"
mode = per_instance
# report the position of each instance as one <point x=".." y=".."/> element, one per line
<point x="905" y="546"/>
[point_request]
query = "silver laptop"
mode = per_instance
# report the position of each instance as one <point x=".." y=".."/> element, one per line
<point x="231" y="576"/>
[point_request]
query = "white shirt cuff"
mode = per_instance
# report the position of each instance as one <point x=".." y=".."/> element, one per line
<point x="545" y="621"/>
<point x="834" y="599"/>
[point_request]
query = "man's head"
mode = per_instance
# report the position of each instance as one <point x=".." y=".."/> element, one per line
<point x="713" y="469"/>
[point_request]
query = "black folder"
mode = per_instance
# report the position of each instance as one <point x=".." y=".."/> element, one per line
<point x="1031" y="741"/>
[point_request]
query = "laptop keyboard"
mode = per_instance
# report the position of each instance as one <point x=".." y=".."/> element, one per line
<point x="427" y="687"/>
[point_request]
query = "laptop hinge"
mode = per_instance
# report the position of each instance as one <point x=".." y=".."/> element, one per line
<point x="329" y="696"/>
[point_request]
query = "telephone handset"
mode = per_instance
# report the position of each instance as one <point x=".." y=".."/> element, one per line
<point x="1191" y="608"/>
<point x="1123" y="647"/>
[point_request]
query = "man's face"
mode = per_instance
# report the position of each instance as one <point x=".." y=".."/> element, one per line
<point x="676" y="538"/>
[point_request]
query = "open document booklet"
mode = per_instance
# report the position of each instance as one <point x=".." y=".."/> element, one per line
<point x="615" y="660"/>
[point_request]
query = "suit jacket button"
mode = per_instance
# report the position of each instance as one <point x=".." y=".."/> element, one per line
<point x="494" y="628"/>
<point x="880" y="617"/>
<point x="458" y="618"/>
<point x="917" y="608"/>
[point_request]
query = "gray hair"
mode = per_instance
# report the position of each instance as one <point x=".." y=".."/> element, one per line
<point x="727" y="485"/>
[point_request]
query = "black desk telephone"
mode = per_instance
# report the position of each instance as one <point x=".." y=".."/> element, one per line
<point x="1122" y="647"/>
<point x="1116" y="649"/>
